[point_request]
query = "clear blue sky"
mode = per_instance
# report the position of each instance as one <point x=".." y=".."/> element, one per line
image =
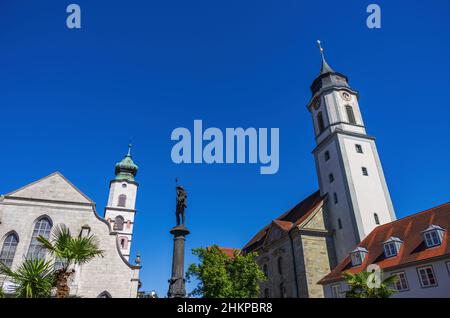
<point x="71" y="99"/>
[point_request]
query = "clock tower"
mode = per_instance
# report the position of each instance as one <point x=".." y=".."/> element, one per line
<point x="347" y="162"/>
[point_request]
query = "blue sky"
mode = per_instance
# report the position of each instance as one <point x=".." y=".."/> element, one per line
<point x="71" y="99"/>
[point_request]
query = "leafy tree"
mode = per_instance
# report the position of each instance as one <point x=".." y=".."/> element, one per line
<point x="69" y="251"/>
<point x="33" y="279"/>
<point x="359" y="288"/>
<point x="220" y="276"/>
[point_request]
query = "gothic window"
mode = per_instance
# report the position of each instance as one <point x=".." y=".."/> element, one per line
<point x="350" y="114"/>
<point x="320" y="122"/>
<point x="377" y="220"/>
<point x="122" y="200"/>
<point x="42" y="228"/>
<point x="104" y="294"/>
<point x="265" y="270"/>
<point x="280" y="265"/>
<point x="331" y="177"/>
<point x="9" y="249"/>
<point x="327" y="155"/>
<point x="118" y="223"/>
<point x="282" y="291"/>
<point x="339" y="224"/>
<point x="358" y="148"/>
<point x="335" y="198"/>
<point x="364" y="171"/>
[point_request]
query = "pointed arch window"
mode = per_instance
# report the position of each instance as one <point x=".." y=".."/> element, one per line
<point x="9" y="249"/>
<point x="350" y="114"/>
<point x="122" y="200"/>
<point x="43" y="228"/>
<point x="320" y="122"/>
<point x="118" y="223"/>
<point x="104" y="294"/>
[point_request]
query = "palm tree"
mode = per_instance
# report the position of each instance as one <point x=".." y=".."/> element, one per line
<point x="359" y="287"/>
<point x="33" y="279"/>
<point x="69" y="251"/>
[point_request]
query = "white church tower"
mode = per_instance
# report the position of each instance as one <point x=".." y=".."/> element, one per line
<point x="347" y="162"/>
<point x="120" y="210"/>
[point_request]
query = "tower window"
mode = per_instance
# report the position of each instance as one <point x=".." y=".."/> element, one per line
<point x="122" y="200"/>
<point x="335" y="198"/>
<point x="123" y="242"/>
<point x="282" y="291"/>
<point x="118" y="223"/>
<point x="377" y="220"/>
<point x="331" y="177"/>
<point x="350" y="114"/>
<point x="358" y="148"/>
<point x="327" y="155"/>
<point x="364" y="171"/>
<point x="339" y="224"/>
<point x="320" y="122"/>
<point x="266" y="271"/>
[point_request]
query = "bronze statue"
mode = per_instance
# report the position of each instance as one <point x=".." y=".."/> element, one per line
<point x="181" y="204"/>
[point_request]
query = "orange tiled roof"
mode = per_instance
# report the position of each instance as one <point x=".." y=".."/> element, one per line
<point x="413" y="248"/>
<point x="287" y="220"/>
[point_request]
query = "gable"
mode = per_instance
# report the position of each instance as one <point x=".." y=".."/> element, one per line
<point x="275" y="233"/>
<point x="315" y="221"/>
<point x="54" y="187"/>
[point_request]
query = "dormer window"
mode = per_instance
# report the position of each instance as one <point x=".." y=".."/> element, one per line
<point x="358" y="256"/>
<point x="433" y="235"/>
<point x="392" y="246"/>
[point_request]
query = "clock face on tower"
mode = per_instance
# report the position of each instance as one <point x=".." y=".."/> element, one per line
<point x="346" y="96"/>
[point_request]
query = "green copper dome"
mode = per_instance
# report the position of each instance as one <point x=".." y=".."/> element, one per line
<point x="126" y="169"/>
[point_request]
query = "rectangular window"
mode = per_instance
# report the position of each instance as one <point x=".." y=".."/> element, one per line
<point x="401" y="284"/>
<point x="335" y="198"/>
<point x="432" y="239"/>
<point x="336" y="291"/>
<point x="327" y="155"/>
<point x="364" y="171"/>
<point x="350" y="114"/>
<point x="320" y="122"/>
<point x="426" y="276"/>
<point x="390" y="249"/>
<point x="331" y="177"/>
<point x="448" y="267"/>
<point x="358" y="148"/>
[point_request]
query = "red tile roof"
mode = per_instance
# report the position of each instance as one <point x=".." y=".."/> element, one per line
<point x="287" y="220"/>
<point x="229" y="251"/>
<point x="413" y="249"/>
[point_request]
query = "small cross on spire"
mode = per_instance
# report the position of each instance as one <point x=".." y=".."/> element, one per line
<point x="129" y="149"/>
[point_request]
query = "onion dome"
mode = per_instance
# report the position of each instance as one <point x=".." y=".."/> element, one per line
<point x="327" y="78"/>
<point x="126" y="169"/>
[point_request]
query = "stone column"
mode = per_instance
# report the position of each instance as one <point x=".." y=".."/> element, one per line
<point x="177" y="282"/>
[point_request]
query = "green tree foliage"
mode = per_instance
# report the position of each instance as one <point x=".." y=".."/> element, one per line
<point x="220" y="276"/>
<point x="33" y="279"/>
<point x="69" y="251"/>
<point x="360" y="289"/>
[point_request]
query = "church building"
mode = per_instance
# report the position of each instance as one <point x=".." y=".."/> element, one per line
<point x="39" y="207"/>
<point x="305" y="243"/>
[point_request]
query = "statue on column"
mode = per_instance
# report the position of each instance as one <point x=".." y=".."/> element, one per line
<point x="181" y="204"/>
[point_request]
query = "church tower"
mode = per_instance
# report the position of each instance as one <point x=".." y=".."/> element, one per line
<point x="347" y="162"/>
<point x="120" y="210"/>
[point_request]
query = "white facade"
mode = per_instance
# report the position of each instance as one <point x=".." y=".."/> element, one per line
<point x="414" y="287"/>
<point x="55" y="199"/>
<point x="348" y="167"/>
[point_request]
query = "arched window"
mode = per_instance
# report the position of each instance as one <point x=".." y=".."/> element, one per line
<point x="266" y="293"/>
<point x="104" y="294"/>
<point x="340" y="224"/>
<point x="331" y="177"/>
<point x="123" y="241"/>
<point x="282" y="291"/>
<point x="377" y="220"/>
<point x="350" y="114"/>
<point x="9" y="249"/>
<point x="280" y="265"/>
<point x="320" y="122"/>
<point x="43" y="228"/>
<point x="122" y="200"/>
<point x="265" y="270"/>
<point x="118" y="223"/>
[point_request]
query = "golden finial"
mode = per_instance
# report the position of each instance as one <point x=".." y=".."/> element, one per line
<point x="320" y="47"/>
